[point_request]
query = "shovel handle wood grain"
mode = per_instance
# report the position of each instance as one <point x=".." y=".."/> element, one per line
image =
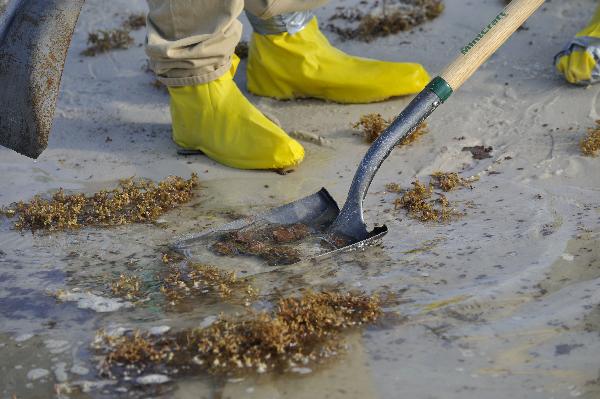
<point x="491" y="37"/>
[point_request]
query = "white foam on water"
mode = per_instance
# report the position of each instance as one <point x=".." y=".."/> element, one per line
<point x="36" y="374"/>
<point x="152" y="379"/>
<point x="97" y="303"/>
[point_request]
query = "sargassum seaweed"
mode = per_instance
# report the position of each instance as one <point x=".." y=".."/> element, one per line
<point x="268" y="243"/>
<point x="193" y="280"/>
<point x="104" y="41"/>
<point x="420" y="203"/>
<point x="590" y="145"/>
<point x="372" y="125"/>
<point x="448" y="181"/>
<point x="134" y="201"/>
<point x="299" y="332"/>
<point x="403" y="16"/>
<point x="127" y="286"/>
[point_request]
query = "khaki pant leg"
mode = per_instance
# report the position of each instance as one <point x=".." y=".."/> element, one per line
<point x="191" y="41"/>
<point x="269" y="8"/>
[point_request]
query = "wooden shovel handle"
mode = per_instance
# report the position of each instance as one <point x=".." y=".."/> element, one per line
<point x="488" y="41"/>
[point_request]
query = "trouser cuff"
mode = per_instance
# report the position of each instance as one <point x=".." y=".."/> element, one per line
<point x="200" y="76"/>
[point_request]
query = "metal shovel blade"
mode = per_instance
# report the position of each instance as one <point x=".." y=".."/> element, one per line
<point x="317" y="212"/>
<point x="35" y="36"/>
<point x="335" y="230"/>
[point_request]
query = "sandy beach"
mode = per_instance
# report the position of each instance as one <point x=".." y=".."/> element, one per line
<point x="503" y="302"/>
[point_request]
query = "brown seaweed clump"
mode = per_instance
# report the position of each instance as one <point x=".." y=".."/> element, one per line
<point x="134" y="201"/>
<point x="103" y="41"/>
<point x="590" y="145"/>
<point x="420" y="204"/>
<point x="393" y="188"/>
<point x="299" y="332"/>
<point x="136" y="348"/>
<point x="200" y="279"/>
<point x="135" y="22"/>
<point x="291" y="233"/>
<point x="127" y="287"/>
<point x="405" y="16"/>
<point x="266" y="243"/>
<point x="448" y="181"/>
<point x="372" y="125"/>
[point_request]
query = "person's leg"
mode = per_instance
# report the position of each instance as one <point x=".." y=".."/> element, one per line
<point x="191" y="41"/>
<point x="191" y="45"/>
<point x="290" y="58"/>
<point x="579" y="61"/>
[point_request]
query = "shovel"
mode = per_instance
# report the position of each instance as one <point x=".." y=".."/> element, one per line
<point x="319" y="211"/>
<point x="346" y="229"/>
<point x="34" y="39"/>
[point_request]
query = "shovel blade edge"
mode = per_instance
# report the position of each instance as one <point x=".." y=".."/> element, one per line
<point x="318" y="211"/>
<point x="35" y="36"/>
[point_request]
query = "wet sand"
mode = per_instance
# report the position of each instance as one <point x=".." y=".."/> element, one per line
<point x="504" y="302"/>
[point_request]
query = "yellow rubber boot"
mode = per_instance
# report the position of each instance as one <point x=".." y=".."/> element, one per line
<point x="305" y="64"/>
<point x="579" y="61"/>
<point x="217" y="119"/>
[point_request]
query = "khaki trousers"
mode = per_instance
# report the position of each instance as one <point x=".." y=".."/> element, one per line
<point x="191" y="41"/>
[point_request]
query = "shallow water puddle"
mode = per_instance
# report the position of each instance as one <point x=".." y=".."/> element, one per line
<point x="491" y="298"/>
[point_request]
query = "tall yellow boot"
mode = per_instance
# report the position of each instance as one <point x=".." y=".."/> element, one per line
<point x="579" y="60"/>
<point x="218" y="120"/>
<point x="304" y="64"/>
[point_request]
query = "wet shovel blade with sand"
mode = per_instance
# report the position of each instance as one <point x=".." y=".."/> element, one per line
<point x="346" y="229"/>
<point x="35" y="36"/>
<point x="316" y="213"/>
